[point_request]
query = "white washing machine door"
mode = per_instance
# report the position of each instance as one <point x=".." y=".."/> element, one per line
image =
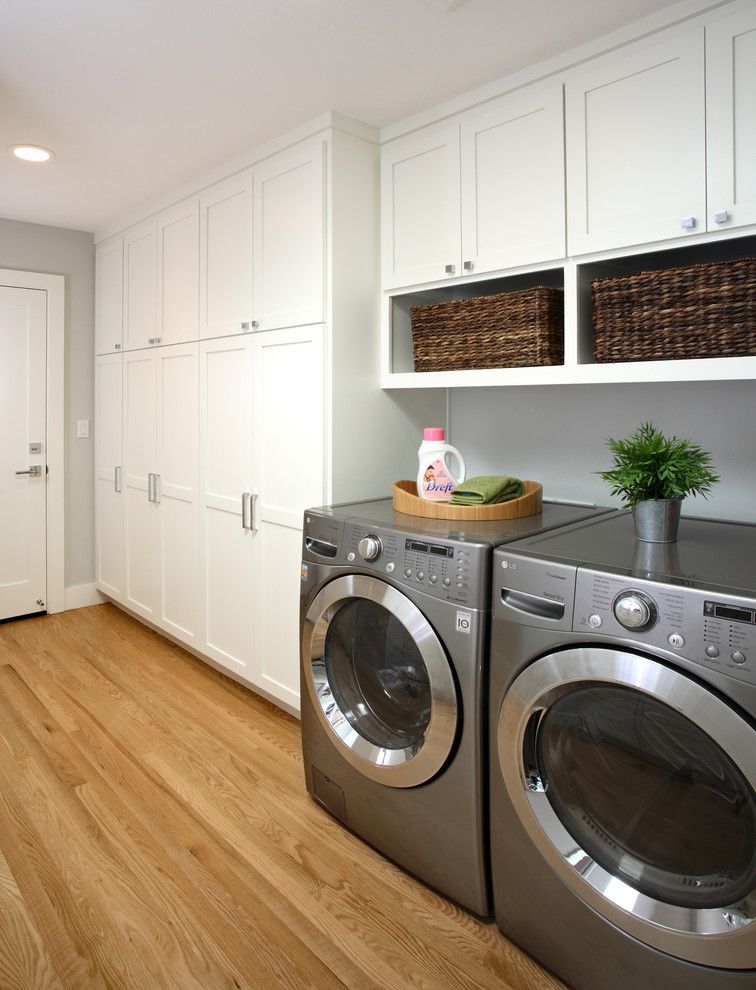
<point x="637" y="785"/>
<point x="380" y="680"/>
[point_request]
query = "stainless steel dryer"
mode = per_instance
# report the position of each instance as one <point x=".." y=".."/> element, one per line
<point x="394" y="624"/>
<point x="623" y="754"/>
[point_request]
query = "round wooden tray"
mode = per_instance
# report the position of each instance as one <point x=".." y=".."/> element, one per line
<point x="407" y="500"/>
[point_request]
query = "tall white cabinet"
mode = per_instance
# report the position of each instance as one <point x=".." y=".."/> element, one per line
<point x="251" y="405"/>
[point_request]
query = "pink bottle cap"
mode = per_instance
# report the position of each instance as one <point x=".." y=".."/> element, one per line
<point x="433" y="433"/>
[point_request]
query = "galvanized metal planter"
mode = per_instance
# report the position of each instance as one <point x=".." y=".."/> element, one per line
<point x="657" y="520"/>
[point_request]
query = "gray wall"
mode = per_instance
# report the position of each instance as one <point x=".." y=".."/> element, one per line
<point x="32" y="247"/>
<point x="556" y="434"/>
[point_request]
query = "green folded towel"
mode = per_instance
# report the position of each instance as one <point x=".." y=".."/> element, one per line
<point x="487" y="489"/>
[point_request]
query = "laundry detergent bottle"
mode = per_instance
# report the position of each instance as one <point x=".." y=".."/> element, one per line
<point x="435" y="479"/>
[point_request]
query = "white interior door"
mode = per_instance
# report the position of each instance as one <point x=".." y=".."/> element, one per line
<point x="109" y="474"/>
<point x="23" y="505"/>
<point x="140" y="459"/>
<point x="288" y="474"/>
<point x="178" y="460"/>
<point x="228" y="609"/>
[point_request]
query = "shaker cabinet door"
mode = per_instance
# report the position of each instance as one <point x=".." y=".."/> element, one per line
<point x="226" y="257"/>
<point x="109" y="296"/>
<point x="140" y="285"/>
<point x="288" y="476"/>
<point x="178" y="273"/>
<point x="420" y="221"/>
<point x="225" y="494"/>
<point x="109" y="535"/>
<point x="513" y="182"/>
<point x="635" y="129"/>
<point x="731" y="120"/>
<point x="289" y="236"/>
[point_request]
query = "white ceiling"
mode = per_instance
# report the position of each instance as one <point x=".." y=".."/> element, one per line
<point x="139" y="96"/>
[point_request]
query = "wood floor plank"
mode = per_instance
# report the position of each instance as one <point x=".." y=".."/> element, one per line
<point x="155" y="832"/>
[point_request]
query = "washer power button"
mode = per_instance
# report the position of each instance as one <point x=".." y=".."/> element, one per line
<point x="594" y="620"/>
<point x="676" y="640"/>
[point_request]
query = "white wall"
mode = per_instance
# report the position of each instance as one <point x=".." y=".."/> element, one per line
<point x="33" y="247"/>
<point x="556" y="434"/>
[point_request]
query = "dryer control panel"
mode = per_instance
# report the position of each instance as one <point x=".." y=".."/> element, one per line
<point x="715" y="630"/>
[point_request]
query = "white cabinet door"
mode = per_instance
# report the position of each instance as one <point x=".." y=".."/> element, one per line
<point x="420" y="208"/>
<point x="226" y="257"/>
<point x="731" y="120"/>
<point x="513" y="182"/>
<point x="140" y="285"/>
<point x="289" y="233"/>
<point x="109" y="499"/>
<point x="140" y="465"/>
<point x="288" y="475"/>
<point x="178" y="273"/>
<point x="177" y="489"/>
<point x="636" y="146"/>
<point x="228" y="608"/>
<point x="109" y="295"/>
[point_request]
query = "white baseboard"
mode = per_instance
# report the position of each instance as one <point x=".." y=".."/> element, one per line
<point x="81" y="595"/>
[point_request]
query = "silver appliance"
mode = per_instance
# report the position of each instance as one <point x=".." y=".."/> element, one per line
<point x="394" y="639"/>
<point x="623" y="754"/>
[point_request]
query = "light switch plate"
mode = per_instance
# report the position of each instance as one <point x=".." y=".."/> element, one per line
<point x="82" y="429"/>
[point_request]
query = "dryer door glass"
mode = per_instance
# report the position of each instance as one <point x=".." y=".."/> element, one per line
<point x="377" y="675"/>
<point x="649" y="796"/>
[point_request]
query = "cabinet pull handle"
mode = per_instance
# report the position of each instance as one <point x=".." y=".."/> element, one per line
<point x="156" y="488"/>
<point x="468" y="266"/>
<point x="153" y="340"/>
<point x="248" y="325"/>
<point x="688" y="223"/>
<point x="721" y="216"/>
<point x="450" y="269"/>
<point x="116" y="347"/>
<point x="245" y="509"/>
<point x="253" y="497"/>
<point x="150" y="478"/>
<point x="117" y="478"/>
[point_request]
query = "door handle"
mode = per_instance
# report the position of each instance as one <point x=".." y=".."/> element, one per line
<point x="35" y="470"/>
<point x="117" y="479"/>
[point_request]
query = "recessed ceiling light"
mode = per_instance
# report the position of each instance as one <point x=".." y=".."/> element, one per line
<point x="32" y="152"/>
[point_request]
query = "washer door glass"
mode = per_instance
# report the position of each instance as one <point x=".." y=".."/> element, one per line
<point x="649" y="796"/>
<point x="377" y="674"/>
<point x="379" y="680"/>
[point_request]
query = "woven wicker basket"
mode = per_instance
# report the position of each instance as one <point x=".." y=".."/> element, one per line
<point x="509" y="330"/>
<point x="696" y="311"/>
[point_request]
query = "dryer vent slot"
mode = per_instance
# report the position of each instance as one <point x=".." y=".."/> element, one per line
<point x="320" y="548"/>
<point x="544" y="608"/>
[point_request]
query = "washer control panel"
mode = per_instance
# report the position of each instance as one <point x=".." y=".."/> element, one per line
<point x="717" y="631"/>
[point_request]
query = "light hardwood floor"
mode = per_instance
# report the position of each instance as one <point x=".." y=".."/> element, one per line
<point x="155" y="832"/>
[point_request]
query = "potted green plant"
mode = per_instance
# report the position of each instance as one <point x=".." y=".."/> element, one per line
<point x="653" y="474"/>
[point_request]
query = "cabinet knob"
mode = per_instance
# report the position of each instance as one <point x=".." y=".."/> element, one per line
<point x="468" y="266"/>
<point x="722" y="216"/>
<point x="117" y="347"/>
<point x="450" y="269"/>
<point x="248" y="325"/>
<point x="688" y="223"/>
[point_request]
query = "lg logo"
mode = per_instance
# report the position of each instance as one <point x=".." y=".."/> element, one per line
<point x="464" y="622"/>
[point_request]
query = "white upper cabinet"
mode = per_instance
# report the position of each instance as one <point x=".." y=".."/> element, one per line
<point x="731" y="120"/>
<point x="289" y="236"/>
<point x="226" y="257"/>
<point x="420" y="219"/>
<point x="513" y="182"/>
<point x="635" y="127"/>
<point x="109" y="295"/>
<point x="178" y="273"/>
<point x="140" y="285"/>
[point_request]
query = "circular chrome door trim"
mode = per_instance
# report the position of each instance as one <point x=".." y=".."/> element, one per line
<point x="405" y="767"/>
<point x="723" y="937"/>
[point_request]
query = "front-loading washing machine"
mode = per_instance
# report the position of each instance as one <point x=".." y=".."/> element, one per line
<point x="394" y="641"/>
<point x="623" y="754"/>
